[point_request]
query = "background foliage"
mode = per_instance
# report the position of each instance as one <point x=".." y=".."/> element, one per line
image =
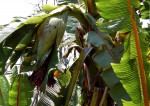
<point x="86" y="53"/>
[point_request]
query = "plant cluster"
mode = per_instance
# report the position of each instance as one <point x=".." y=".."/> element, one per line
<point x="94" y="53"/>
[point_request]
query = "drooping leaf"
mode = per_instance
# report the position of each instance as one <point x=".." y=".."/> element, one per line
<point x="50" y="32"/>
<point x="8" y="45"/>
<point x="7" y="30"/>
<point x="20" y="48"/>
<point x="35" y="20"/>
<point x="103" y="60"/>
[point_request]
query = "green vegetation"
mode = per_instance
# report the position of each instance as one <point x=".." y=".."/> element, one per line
<point x="90" y="53"/>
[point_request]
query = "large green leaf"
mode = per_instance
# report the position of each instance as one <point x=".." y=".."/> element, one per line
<point x="103" y="60"/>
<point x="117" y="11"/>
<point x="35" y="20"/>
<point x="21" y="91"/>
<point x="127" y="71"/>
<point x="120" y="17"/>
<point x="20" y="48"/>
<point x="4" y="91"/>
<point x="128" y="75"/>
<point x="9" y="42"/>
<point x="107" y="10"/>
<point x="120" y="7"/>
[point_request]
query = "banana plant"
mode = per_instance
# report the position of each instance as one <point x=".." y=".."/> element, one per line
<point x="91" y="53"/>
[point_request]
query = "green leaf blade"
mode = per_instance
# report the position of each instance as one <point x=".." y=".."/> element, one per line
<point x="4" y="91"/>
<point x="21" y="91"/>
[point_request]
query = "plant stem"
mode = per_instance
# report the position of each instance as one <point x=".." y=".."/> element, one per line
<point x="92" y="7"/>
<point x="2" y="98"/>
<point x="104" y="96"/>
<point x="139" y="55"/>
<point x="18" y="90"/>
<point x="95" y="97"/>
<point x="80" y="61"/>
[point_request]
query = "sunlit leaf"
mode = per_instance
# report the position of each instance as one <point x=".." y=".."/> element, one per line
<point x="128" y="72"/>
<point x="48" y="7"/>
<point x="64" y="78"/>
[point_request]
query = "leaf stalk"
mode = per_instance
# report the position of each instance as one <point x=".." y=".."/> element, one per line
<point x="139" y="56"/>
